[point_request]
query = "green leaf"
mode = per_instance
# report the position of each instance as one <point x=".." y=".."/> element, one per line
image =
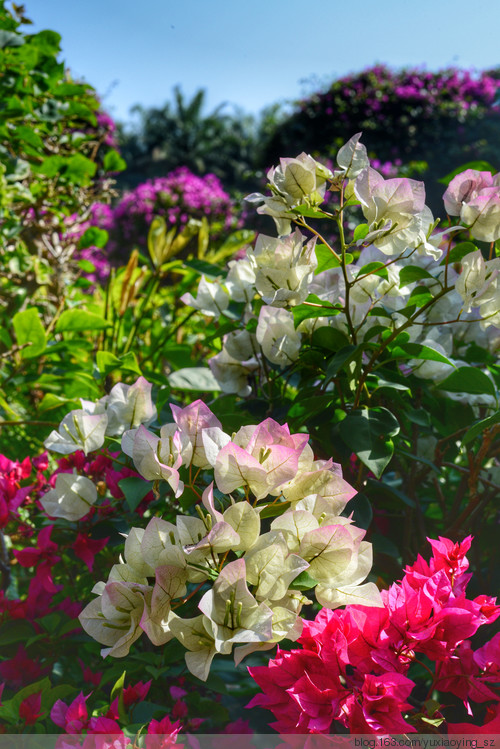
<point x="420" y="296"/>
<point x="28" y="135"/>
<point x="273" y="510"/>
<point x="304" y="581"/>
<point x="205" y="269"/>
<point x="80" y="169"/>
<point x="375" y="268"/>
<point x="193" y="378"/>
<point x="15" y="631"/>
<point x="308" y="211"/>
<point x="368" y="432"/>
<point x="329" y="339"/>
<point x="326" y="258"/>
<point x="459" y="251"/>
<point x="306" y="311"/>
<point x="117" y="691"/>
<point x="468" y="380"/>
<point x="341" y="358"/>
<point x="480" y="427"/>
<point x="135" y="489"/>
<point x="480" y="166"/>
<point x="361" y="506"/>
<point x="113" y="162"/>
<point x="360" y="232"/>
<point x="411" y="273"/>
<point x="80" y="319"/>
<point x="93" y="237"/>
<point x="29" y="329"/>
<point x="108" y="362"/>
<point x="418" y="351"/>
<point x="86" y="266"/>
<point x="50" y="166"/>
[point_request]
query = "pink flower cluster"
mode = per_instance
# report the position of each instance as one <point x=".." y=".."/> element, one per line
<point x="13" y="489"/>
<point x="376" y="88"/>
<point x="354" y="666"/>
<point x="178" y="197"/>
<point x="21" y="483"/>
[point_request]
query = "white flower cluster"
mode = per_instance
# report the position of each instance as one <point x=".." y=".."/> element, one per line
<point x="399" y="235"/>
<point x="242" y="567"/>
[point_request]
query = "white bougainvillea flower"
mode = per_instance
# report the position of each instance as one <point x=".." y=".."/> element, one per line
<point x="284" y="268"/>
<point x="285" y="624"/>
<point x="232" y="374"/>
<point x="276" y="207"/>
<point x="294" y="524"/>
<point x="299" y="180"/>
<point x="464" y="187"/>
<point x="261" y="466"/>
<point x="233" y="612"/>
<point x="246" y="522"/>
<point x="153" y="458"/>
<point x="191" y="420"/>
<point x="161" y="545"/>
<point x="72" y="497"/>
<point x="133" y="553"/>
<point x="394" y="210"/>
<point x="113" y="618"/>
<point x="352" y="158"/>
<point x="241" y="345"/>
<point x="128" y="406"/>
<point x="78" y="430"/>
<point x="325" y="481"/>
<point x="240" y="280"/>
<point x="170" y="583"/>
<point x="200" y="644"/>
<point x="329" y="551"/>
<point x="293" y="182"/>
<point x="271" y="567"/>
<point x="482" y="215"/>
<point x="276" y="334"/>
<point x="211" y="298"/>
<point x="472" y="278"/>
<point x="348" y="588"/>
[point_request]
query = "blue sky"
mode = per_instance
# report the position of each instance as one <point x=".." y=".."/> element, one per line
<point x="257" y="52"/>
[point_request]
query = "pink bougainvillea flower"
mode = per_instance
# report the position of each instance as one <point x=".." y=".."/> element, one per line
<point x="30" y="708"/>
<point x="86" y="548"/>
<point x="21" y="669"/>
<point x="73" y="718"/>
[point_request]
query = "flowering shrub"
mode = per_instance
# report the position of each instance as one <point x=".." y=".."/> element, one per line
<point x="228" y="548"/>
<point x="180" y="198"/>
<point x="339" y="332"/>
<point x="359" y="667"/>
<point x="438" y="120"/>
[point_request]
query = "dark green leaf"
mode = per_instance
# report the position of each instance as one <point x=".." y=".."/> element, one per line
<point x="135" y="489"/>
<point x="418" y="351"/>
<point x="368" y="432"/>
<point x="480" y="166"/>
<point x="480" y="427"/>
<point x="468" y="380"/>
<point x="307" y="311"/>
<point x="459" y="251"/>
<point x="341" y="358"/>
